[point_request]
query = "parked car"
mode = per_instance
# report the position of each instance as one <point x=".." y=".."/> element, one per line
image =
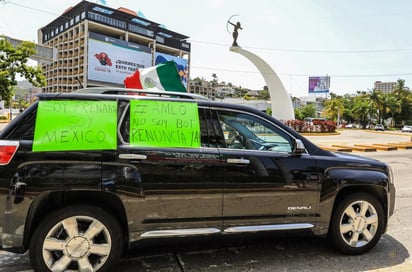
<point x="350" y="126"/>
<point x="379" y="127"/>
<point x="88" y="174"/>
<point x="406" y="128"/>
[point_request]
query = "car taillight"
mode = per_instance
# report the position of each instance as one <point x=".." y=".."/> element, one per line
<point x="7" y="151"/>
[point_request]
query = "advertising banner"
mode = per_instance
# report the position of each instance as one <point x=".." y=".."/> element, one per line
<point x="112" y="60"/>
<point x="319" y="84"/>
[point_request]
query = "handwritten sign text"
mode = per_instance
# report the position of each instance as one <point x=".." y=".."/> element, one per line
<point x="75" y="125"/>
<point x="164" y="124"/>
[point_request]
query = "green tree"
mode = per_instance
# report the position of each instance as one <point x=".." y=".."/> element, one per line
<point x="333" y="108"/>
<point x="264" y="95"/>
<point x="362" y="109"/>
<point x="404" y="97"/>
<point x="240" y="92"/>
<point x="348" y="101"/>
<point x="376" y="99"/>
<point x="13" y="63"/>
<point x="309" y="110"/>
<point x="298" y="114"/>
<point x="391" y="106"/>
<point x="22" y="104"/>
<point x="214" y="81"/>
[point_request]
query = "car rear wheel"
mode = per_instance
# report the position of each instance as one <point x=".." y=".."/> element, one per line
<point x="76" y="238"/>
<point x="357" y="224"/>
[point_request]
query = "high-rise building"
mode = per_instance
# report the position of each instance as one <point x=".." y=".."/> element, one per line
<point x="100" y="46"/>
<point x="386" y="87"/>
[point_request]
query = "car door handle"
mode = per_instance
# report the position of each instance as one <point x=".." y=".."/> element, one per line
<point x="133" y="156"/>
<point x="238" y="161"/>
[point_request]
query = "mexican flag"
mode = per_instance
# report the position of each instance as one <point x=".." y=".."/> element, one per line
<point x="163" y="76"/>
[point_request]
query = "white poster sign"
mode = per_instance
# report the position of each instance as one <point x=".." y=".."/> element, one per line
<point x="112" y="60"/>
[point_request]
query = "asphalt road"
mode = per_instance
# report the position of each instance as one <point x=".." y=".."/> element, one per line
<point x="284" y="253"/>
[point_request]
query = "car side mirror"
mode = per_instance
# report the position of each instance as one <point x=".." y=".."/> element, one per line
<point x="299" y="147"/>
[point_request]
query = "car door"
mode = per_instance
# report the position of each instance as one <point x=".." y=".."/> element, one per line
<point x="178" y="189"/>
<point x="266" y="185"/>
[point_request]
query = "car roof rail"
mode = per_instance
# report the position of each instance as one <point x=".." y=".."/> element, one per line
<point x="142" y="92"/>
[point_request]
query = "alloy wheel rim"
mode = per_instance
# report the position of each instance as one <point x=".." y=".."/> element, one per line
<point x="358" y="224"/>
<point x="77" y="243"/>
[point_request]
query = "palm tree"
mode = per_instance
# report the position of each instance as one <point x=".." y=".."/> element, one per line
<point x="214" y="81"/>
<point x="362" y="109"/>
<point x="404" y="97"/>
<point x="390" y="106"/>
<point x="333" y="108"/>
<point x="376" y="99"/>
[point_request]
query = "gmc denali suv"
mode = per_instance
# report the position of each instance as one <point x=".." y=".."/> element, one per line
<point x="86" y="175"/>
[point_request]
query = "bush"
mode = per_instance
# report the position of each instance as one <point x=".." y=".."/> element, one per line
<point x="317" y="126"/>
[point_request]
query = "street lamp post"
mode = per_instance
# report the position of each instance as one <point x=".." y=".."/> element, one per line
<point x="338" y="116"/>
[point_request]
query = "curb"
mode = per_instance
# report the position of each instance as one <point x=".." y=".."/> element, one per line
<point x="368" y="147"/>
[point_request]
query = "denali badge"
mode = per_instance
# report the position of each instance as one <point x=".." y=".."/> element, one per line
<point x="298" y="208"/>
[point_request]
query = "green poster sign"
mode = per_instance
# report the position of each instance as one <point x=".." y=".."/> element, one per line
<point x="75" y="125"/>
<point x="164" y="124"/>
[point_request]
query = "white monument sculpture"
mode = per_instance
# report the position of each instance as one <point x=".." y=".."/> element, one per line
<point x="282" y="107"/>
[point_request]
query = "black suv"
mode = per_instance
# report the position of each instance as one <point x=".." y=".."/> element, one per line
<point x="86" y="175"/>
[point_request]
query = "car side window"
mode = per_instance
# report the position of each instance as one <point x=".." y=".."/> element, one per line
<point x="246" y="131"/>
<point x="25" y="131"/>
<point x="207" y="130"/>
<point x="211" y="132"/>
<point x="124" y="122"/>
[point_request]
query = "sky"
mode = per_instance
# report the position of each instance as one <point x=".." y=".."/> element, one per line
<point x="355" y="42"/>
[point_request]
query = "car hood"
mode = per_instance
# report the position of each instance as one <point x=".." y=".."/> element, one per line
<point x="358" y="160"/>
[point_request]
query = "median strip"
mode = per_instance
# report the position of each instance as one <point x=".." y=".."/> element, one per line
<point x="358" y="148"/>
<point x="382" y="147"/>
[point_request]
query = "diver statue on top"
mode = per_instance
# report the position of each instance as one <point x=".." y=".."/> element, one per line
<point x="235" y="32"/>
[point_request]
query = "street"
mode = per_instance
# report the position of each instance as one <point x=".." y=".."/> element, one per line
<point x="271" y="253"/>
<point x="265" y="136"/>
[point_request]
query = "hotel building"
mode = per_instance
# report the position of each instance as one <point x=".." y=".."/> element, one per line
<point x="100" y="46"/>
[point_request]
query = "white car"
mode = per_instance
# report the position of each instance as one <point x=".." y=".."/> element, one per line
<point x="379" y="127"/>
<point x="349" y="126"/>
<point x="406" y="128"/>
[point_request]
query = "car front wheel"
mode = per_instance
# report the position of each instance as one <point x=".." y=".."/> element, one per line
<point x="357" y="224"/>
<point x="76" y="238"/>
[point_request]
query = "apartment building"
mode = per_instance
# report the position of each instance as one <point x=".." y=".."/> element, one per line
<point x="202" y="87"/>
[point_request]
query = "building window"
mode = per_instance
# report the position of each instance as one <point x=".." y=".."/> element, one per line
<point x="160" y="39"/>
<point x="106" y="20"/>
<point x="141" y="30"/>
<point x="140" y="22"/>
<point x="103" y="10"/>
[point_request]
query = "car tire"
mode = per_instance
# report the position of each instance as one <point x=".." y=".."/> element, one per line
<point x="76" y="238"/>
<point x="357" y="224"/>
